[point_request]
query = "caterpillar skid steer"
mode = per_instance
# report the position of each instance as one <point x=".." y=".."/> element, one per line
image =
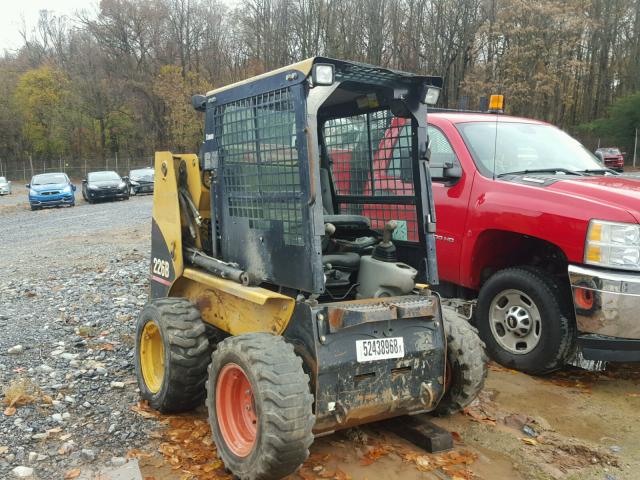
<point x="273" y="298"/>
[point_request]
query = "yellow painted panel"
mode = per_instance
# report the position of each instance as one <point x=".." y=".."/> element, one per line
<point x="232" y="307"/>
<point x="303" y="67"/>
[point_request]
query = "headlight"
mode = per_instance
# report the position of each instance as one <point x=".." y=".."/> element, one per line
<point x="32" y="192"/>
<point x="92" y="187"/>
<point x="122" y="185"/>
<point x="67" y="189"/>
<point x="611" y="244"/>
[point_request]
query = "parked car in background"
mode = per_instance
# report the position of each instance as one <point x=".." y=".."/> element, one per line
<point x="51" y="190"/>
<point x="5" y="186"/>
<point x="141" y="180"/>
<point x="611" y="157"/>
<point x="106" y="185"/>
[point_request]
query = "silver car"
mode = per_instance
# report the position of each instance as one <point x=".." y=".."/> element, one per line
<point x="5" y="186"/>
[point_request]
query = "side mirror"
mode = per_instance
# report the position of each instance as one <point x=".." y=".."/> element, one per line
<point x="443" y="166"/>
<point x="454" y="172"/>
<point x="84" y="180"/>
<point x="28" y="185"/>
<point x="125" y="178"/>
<point x="73" y="187"/>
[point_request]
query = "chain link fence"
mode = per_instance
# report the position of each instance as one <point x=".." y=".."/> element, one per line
<point x="22" y="171"/>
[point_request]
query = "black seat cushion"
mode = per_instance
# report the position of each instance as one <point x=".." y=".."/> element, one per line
<point x="342" y="260"/>
<point x="356" y="222"/>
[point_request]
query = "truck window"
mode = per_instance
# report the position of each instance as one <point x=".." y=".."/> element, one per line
<point x="441" y="153"/>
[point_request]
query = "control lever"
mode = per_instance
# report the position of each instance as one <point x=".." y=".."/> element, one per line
<point x="329" y="229"/>
<point x="387" y="234"/>
<point x="385" y="251"/>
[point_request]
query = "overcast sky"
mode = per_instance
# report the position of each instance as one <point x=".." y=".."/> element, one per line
<point x="12" y="13"/>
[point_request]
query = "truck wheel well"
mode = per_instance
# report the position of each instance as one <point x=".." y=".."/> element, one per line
<point x="498" y="249"/>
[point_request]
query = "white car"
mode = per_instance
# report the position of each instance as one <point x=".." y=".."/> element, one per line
<point x="5" y="186"/>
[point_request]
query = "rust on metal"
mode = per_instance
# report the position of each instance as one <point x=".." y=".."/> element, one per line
<point x="347" y="314"/>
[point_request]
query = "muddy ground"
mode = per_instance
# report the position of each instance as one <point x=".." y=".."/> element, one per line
<point x="570" y="425"/>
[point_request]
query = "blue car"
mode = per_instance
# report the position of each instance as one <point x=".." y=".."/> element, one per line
<point x="51" y="190"/>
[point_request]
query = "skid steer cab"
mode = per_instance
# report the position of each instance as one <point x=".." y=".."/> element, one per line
<point x="273" y="298"/>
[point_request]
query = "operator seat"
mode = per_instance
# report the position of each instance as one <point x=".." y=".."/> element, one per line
<point x="347" y="262"/>
<point x="340" y="221"/>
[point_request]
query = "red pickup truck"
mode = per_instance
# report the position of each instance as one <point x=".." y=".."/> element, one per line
<point x="529" y="224"/>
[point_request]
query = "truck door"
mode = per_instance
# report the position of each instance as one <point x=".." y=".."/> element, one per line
<point x="451" y="197"/>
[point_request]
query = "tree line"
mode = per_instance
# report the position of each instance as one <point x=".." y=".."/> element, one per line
<point x="116" y="79"/>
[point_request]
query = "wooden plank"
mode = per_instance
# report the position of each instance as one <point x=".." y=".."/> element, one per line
<point x="421" y="432"/>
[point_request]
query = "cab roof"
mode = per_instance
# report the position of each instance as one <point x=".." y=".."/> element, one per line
<point x="347" y="69"/>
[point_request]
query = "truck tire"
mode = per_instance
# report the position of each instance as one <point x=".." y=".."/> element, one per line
<point x="260" y="407"/>
<point x="524" y="320"/>
<point x="172" y="354"/>
<point x="466" y="365"/>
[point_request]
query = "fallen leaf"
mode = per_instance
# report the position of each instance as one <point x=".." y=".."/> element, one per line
<point x="374" y="454"/>
<point x="634" y="395"/>
<point x="106" y="346"/>
<point x="10" y="411"/>
<point x="456" y="436"/>
<point x="530" y="441"/>
<point x="305" y="474"/>
<point x="75" y="473"/>
<point x="3" y="450"/>
<point x="143" y="409"/>
<point x="66" y="436"/>
<point x="137" y="453"/>
<point x="479" y="417"/>
<point x="340" y="475"/>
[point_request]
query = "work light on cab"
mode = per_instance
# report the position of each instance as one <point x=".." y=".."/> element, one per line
<point x="431" y="96"/>
<point x="322" y="74"/>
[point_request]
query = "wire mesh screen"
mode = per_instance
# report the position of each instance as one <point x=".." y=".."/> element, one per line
<point x="371" y="156"/>
<point x="261" y="168"/>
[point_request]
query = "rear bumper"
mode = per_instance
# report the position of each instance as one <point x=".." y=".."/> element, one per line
<point x="614" y="164"/>
<point x="606" y="304"/>
<point x="349" y="390"/>
<point x="52" y="200"/>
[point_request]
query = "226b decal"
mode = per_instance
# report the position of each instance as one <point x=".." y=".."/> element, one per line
<point x="161" y="267"/>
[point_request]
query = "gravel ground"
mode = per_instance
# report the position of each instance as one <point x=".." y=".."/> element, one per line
<point x="68" y="300"/>
<point x="72" y="282"/>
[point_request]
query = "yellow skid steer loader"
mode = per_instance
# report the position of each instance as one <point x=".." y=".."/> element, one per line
<point x="289" y="286"/>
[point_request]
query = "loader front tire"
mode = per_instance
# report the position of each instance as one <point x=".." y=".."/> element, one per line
<point x="466" y="365"/>
<point x="172" y="354"/>
<point x="260" y="407"/>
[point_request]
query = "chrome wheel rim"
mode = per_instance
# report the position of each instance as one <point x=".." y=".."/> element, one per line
<point x="515" y="321"/>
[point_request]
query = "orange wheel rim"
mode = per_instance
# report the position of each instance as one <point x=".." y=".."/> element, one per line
<point x="235" y="410"/>
<point x="448" y="375"/>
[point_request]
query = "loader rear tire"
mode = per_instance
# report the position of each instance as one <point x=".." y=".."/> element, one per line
<point x="172" y="354"/>
<point x="260" y="407"/>
<point x="466" y="365"/>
